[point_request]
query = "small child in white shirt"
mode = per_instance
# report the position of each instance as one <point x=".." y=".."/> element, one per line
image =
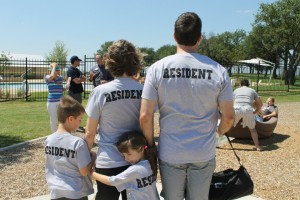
<point x="138" y="180"/>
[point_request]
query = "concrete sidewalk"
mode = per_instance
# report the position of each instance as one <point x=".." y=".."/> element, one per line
<point x="158" y="185"/>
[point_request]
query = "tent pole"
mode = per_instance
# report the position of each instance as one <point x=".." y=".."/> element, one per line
<point x="257" y="76"/>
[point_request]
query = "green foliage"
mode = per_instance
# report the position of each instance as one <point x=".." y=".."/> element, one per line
<point x="277" y="26"/>
<point x="149" y="55"/>
<point x="165" y="50"/>
<point x="58" y="54"/>
<point x="104" y="47"/>
<point x="225" y="48"/>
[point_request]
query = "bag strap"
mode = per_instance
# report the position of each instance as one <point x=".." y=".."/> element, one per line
<point x="238" y="158"/>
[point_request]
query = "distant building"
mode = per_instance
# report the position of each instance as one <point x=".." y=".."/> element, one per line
<point x="17" y="56"/>
<point x="16" y="66"/>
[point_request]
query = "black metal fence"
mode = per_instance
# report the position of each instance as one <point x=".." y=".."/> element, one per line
<point x="25" y="79"/>
<point x="264" y="79"/>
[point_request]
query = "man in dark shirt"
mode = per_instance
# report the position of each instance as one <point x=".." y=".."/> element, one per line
<point x="76" y="88"/>
<point x="98" y="74"/>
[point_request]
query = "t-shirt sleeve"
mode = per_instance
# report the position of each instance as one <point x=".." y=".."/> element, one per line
<point x="226" y="93"/>
<point x="71" y="73"/>
<point x="93" y="105"/>
<point x="150" y="91"/>
<point x="123" y="180"/>
<point x="255" y="94"/>
<point x="83" y="154"/>
<point x="272" y="109"/>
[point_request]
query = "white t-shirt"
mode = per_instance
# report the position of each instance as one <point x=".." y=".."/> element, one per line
<point x="138" y="181"/>
<point x="187" y="88"/>
<point x="66" y="154"/>
<point x="244" y="96"/>
<point x="116" y="105"/>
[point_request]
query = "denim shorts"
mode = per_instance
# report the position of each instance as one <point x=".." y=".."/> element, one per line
<point x="188" y="180"/>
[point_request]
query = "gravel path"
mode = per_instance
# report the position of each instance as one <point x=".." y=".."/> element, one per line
<point x="275" y="171"/>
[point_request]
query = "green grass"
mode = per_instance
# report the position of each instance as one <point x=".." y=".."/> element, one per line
<point x="21" y="121"/>
<point x="280" y="97"/>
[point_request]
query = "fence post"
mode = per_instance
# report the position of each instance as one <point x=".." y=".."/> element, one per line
<point x="84" y="65"/>
<point x="26" y="81"/>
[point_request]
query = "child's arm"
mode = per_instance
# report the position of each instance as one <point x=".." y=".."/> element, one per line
<point x="87" y="170"/>
<point x="101" y="178"/>
<point x="68" y="83"/>
<point x="52" y="74"/>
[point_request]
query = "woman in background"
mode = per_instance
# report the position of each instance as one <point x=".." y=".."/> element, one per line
<point x="55" y="91"/>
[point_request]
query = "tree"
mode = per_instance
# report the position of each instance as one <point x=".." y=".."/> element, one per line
<point x="225" y="48"/>
<point x="58" y="54"/>
<point x="279" y="26"/>
<point x="204" y="47"/>
<point x="104" y="47"/>
<point x="255" y="49"/>
<point x="165" y="50"/>
<point x="149" y="57"/>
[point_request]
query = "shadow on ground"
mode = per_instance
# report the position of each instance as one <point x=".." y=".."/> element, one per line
<point x="268" y="144"/>
<point x="9" y="140"/>
<point x="19" y="154"/>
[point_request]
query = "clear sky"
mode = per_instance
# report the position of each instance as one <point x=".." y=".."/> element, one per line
<point x="33" y="26"/>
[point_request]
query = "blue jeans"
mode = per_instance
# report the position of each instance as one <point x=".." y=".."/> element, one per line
<point x="188" y="180"/>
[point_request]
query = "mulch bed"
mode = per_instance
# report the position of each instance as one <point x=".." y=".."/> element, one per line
<point x="275" y="171"/>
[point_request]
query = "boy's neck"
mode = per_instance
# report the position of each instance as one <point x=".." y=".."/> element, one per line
<point x="62" y="128"/>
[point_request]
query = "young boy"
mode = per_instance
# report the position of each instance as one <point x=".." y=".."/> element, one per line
<point x="68" y="159"/>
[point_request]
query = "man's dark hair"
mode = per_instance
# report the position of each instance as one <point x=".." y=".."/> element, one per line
<point x="188" y="29"/>
<point x="245" y="82"/>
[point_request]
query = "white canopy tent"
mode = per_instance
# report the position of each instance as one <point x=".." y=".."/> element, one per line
<point x="260" y="62"/>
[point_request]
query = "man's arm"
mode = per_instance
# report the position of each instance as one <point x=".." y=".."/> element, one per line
<point x="227" y="116"/>
<point x="146" y="120"/>
<point x="90" y="131"/>
<point x="258" y="105"/>
<point x="92" y="74"/>
<point x="52" y="74"/>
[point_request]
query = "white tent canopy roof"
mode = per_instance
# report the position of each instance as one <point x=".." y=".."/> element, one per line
<point x="18" y="56"/>
<point x="258" y="61"/>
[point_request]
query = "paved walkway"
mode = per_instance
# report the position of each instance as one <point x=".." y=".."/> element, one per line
<point x="158" y="185"/>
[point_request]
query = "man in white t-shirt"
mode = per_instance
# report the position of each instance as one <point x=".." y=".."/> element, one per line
<point x="244" y="97"/>
<point x="190" y="90"/>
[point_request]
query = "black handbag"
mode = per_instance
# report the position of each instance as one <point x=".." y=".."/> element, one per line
<point x="231" y="184"/>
